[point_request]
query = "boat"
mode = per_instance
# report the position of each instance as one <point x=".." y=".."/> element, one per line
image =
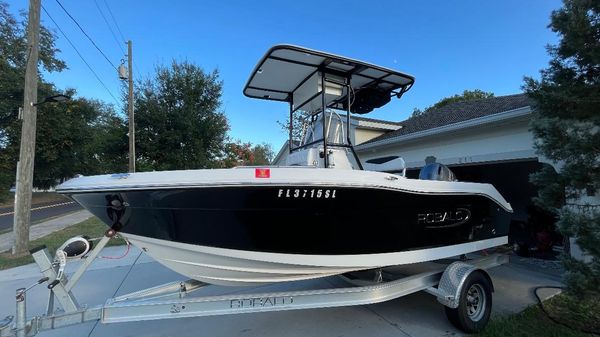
<point x="324" y="213"/>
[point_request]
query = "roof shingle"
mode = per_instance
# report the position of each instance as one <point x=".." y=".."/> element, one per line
<point x="457" y="112"/>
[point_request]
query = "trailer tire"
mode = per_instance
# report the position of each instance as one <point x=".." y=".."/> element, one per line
<point x="475" y="304"/>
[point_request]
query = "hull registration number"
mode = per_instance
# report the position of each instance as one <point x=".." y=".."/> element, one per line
<point x="306" y="193"/>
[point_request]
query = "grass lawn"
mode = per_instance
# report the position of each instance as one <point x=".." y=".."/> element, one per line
<point x="534" y="322"/>
<point x="92" y="227"/>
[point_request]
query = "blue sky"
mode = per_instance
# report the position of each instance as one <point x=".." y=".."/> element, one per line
<point x="449" y="46"/>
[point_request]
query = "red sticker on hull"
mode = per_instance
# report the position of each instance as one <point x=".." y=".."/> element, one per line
<point x="262" y="173"/>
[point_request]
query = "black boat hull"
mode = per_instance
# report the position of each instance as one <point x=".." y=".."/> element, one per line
<point x="310" y="220"/>
<point x="257" y="234"/>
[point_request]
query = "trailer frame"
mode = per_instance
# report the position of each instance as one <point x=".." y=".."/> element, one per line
<point x="172" y="300"/>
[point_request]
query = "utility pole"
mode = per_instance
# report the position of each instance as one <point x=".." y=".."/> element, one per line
<point x="130" y="106"/>
<point x="24" y="178"/>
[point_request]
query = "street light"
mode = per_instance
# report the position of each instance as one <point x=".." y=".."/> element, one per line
<point x="52" y="99"/>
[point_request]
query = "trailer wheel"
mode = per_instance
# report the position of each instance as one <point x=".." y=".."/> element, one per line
<point x="474" y="306"/>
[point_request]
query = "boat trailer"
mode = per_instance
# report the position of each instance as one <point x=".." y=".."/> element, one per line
<point x="463" y="287"/>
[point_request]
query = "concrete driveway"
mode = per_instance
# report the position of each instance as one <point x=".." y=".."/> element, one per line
<point x="415" y="315"/>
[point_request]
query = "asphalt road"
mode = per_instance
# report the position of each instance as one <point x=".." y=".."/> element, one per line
<point x="39" y="212"/>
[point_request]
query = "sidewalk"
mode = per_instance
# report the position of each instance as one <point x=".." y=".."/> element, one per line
<point x="44" y="228"/>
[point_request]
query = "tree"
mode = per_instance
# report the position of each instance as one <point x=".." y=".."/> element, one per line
<point x="81" y="136"/>
<point x="13" y="58"/>
<point x="240" y="154"/>
<point x="565" y="123"/>
<point x="108" y="149"/>
<point x="263" y="154"/>
<point x="77" y="137"/>
<point x="467" y="95"/>
<point x="178" y="122"/>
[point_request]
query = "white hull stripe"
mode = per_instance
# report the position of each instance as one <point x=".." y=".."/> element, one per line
<point x="299" y="261"/>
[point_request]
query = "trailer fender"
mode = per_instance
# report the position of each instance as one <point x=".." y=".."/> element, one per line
<point x="452" y="281"/>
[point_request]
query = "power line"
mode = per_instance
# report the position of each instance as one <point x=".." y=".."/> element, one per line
<point x="120" y="33"/>
<point x="109" y="27"/>
<point x="86" y="35"/>
<point x="81" y="56"/>
<point x="115" y="21"/>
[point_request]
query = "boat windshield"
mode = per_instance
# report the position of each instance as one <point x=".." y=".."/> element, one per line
<point x="335" y="127"/>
